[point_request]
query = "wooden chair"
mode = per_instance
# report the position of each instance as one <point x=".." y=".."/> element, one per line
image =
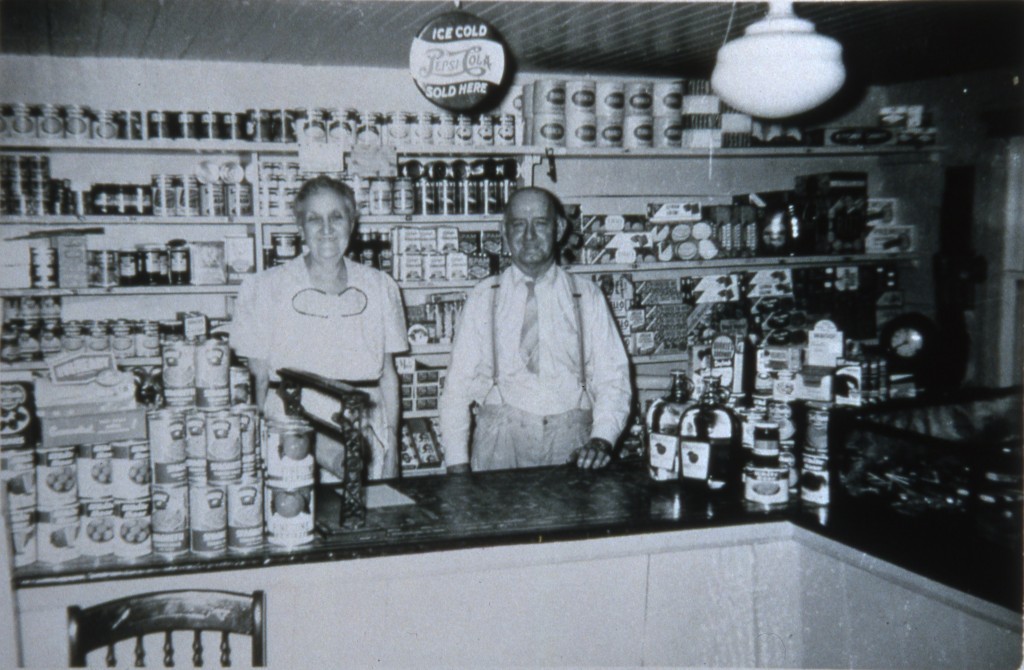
<point x="164" y="612"/>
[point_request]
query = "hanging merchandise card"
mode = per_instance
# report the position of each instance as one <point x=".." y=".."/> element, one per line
<point x="321" y="156"/>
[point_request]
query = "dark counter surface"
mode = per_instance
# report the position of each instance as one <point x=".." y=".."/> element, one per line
<point x="563" y="503"/>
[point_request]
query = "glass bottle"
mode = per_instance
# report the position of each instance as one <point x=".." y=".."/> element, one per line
<point x="709" y="444"/>
<point x="663" y="419"/>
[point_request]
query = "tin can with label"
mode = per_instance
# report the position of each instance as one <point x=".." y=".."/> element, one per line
<point x="43" y="271"/>
<point x="610" y="99"/>
<point x="423" y="130"/>
<point x="170" y="519"/>
<point x="208" y="519"/>
<point x="147" y="338"/>
<point x="288" y="451"/>
<point x="639" y="98"/>
<point x="213" y="360"/>
<point x="289" y="512"/>
<point x="187" y="196"/>
<point x="766" y="487"/>
<point x="24" y="536"/>
<point x="668" y="131"/>
<point x="549" y="130"/>
<point x="75" y="124"/>
<point x="102" y="268"/>
<point x="133" y="525"/>
<point x="549" y="96"/>
<point x="96" y="535"/>
<point x="245" y="515"/>
<point x="637" y="131"/>
<point x="403" y="200"/>
<point x="505" y="132"/>
<point x="445" y="131"/>
<point x="157" y="125"/>
<point x="18" y="477"/>
<point x="195" y="445"/>
<point x="787" y="458"/>
<point x="167" y="445"/>
<point x="223" y="447"/>
<point x="814" y="479"/>
<point x="95" y="471"/>
<point x="483" y="131"/>
<point x="463" y="130"/>
<point x="57" y="475"/>
<point x="179" y="371"/>
<point x="97" y="336"/>
<point x="668" y="98"/>
<point x="285" y="245"/>
<point x="816" y="433"/>
<point x="248" y="428"/>
<point x="380" y="196"/>
<point x="104" y="126"/>
<point x="49" y="125"/>
<point x="211" y="199"/>
<point x="581" y="130"/>
<point x="58" y="533"/>
<point x="130" y="469"/>
<point x="257" y="125"/>
<point x="240" y="382"/>
<point x="399" y="129"/>
<point x="781" y="412"/>
<point x="609" y="131"/>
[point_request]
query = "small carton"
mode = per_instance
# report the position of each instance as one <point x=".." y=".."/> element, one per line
<point x="207" y="262"/>
<point x="239" y="257"/>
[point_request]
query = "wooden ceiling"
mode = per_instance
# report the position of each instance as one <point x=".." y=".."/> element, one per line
<point x="884" y="42"/>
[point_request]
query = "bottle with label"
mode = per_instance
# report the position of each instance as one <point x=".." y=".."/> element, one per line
<point x="709" y="441"/>
<point x="662" y="424"/>
<point x="765" y="479"/>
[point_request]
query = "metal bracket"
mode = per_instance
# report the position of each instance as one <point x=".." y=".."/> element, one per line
<point x="549" y="154"/>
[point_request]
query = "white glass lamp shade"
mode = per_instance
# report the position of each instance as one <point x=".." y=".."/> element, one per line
<point x="780" y="67"/>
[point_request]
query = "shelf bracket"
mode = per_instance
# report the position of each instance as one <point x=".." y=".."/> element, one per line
<point x="549" y="154"/>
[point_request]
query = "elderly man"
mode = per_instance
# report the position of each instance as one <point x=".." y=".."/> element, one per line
<point x="538" y="351"/>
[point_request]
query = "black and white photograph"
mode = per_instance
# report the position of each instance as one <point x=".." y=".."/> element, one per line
<point x="524" y="333"/>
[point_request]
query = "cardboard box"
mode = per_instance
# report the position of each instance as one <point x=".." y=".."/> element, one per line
<point x="18" y="425"/>
<point x="72" y="268"/>
<point x="890" y="240"/>
<point x="207" y="263"/>
<point x="62" y="431"/>
<point x="239" y="257"/>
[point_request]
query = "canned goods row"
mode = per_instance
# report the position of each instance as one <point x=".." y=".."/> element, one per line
<point x="74" y="122"/>
<point x="200" y="372"/>
<point x="32" y="340"/>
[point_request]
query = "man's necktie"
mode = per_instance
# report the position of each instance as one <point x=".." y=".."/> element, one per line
<point x="529" y="336"/>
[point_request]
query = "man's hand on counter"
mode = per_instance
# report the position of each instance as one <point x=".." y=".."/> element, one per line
<point x="595" y="454"/>
<point x="458" y="469"/>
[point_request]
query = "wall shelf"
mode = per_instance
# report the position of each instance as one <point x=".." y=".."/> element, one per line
<point x="741" y="264"/>
<point x="116" y="291"/>
<point x="131" y="361"/>
<point x="120" y="220"/>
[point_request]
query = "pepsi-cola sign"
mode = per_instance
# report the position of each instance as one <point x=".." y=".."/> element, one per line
<point x="457" y="61"/>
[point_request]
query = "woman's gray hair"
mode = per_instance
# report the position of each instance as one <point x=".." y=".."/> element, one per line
<point x="324" y="183"/>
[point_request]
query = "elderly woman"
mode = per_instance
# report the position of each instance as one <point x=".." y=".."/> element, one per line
<point x="325" y="314"/>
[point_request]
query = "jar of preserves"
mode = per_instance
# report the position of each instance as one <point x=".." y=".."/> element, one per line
<point x="179" y="260"/>
<point x="128" y="267"/>
<point x="380" y="196"/>
<point x="97" y="336"/>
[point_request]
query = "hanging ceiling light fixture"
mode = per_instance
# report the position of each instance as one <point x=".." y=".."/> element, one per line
<point x="780" y="67"/>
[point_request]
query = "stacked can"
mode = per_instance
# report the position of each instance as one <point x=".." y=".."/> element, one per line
<point x="814" y="472"/>
<point x="96" y="494"/>
<point x="580" y="113"/>
<point x="131" y="474"/>
<point x="18" y="480"/>
<point x="702" y="116"/>
<point x="638" y="122"/>
<point x="58" y="510"/>
<point x="610" y="107"/>
<point x="26" y="186"/>
<point x="780" y="412"/>
<point x="737" y="127"/>
<point x="548" y="122"/>
<point x="289" y="501"/>
<point x="668" y="113"/>
<point x="167" y="443"/>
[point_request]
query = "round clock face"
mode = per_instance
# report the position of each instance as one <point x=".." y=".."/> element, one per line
<point x="906" y="342"/>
